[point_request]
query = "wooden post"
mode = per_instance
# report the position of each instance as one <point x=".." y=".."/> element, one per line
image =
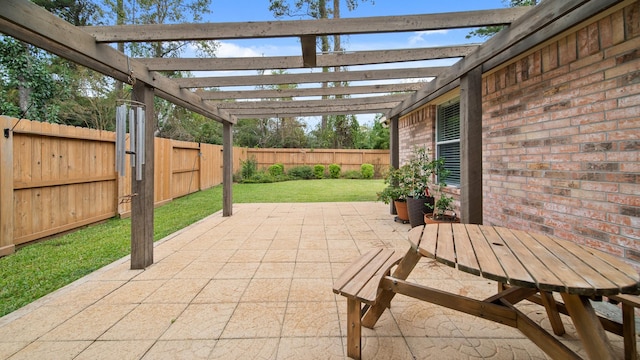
<point x="471" y="147"/>
<point x="143" y="190"/>
<point x="6" y="187"/>
<point x="394" y="151"/>
<point x="227" y="169"/>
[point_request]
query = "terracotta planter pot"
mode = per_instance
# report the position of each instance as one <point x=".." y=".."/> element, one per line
<point x="428" y="219"/>
<point x="401" y="210"/>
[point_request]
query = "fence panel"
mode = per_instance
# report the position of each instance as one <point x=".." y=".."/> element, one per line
<point x="346" y="158"/>
<point x="63" y="179"/>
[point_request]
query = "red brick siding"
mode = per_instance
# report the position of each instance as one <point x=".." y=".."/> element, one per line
<point x="561" y="137"/>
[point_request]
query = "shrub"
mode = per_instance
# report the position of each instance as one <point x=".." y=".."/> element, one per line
<point x="352" y="174"/>
<point x="276" y="170"/>
<point x="367" y="171"/>
<point x="301" y="172"/>
<point x="334" y="171"/>
<point x="318" y="171"/>
<point x="259" y="178"/>
<point x="249" y="167"/>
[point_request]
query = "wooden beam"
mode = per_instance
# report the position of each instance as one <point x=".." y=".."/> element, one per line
<point x="314" y="111"/>
<point x="227" y="169"/>
<point x="297" y="28"/>
<point x="296" y="62"/>
<point x="363" y="75"/>
<point x="547" y="19"/>
<point x="304" y="92"/>
<point x="308" y="50"/>
<point x="32" y="24"/>
<point x="286" y="104"/>
<point x="471" y="147"/>
<point x="7" y="245"/>
<point x="143" y="190"/>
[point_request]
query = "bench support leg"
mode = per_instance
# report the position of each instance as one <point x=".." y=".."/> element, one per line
<point x="403" y="270"/>
<point x="629" y="332"/>
<point x="354" y="329"/>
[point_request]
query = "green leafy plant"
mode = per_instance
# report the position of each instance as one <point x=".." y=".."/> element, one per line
<point x="334" y="171"/>
<point x="249" y="167"/>
<point x="303" y="172"/>
<point x="367" y="171"/>
<point x="352" y="174"/>
<point x="276" y="170"/>
<point x="396" y="188"/>
<point x="318" y="171"/>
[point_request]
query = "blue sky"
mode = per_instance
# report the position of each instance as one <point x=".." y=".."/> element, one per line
<point x="258" y="10"/>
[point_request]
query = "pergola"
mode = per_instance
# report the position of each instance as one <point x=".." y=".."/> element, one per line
<point x="91" y="47"/>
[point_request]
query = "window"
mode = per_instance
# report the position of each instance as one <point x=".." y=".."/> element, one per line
<point x="448" y="139"/>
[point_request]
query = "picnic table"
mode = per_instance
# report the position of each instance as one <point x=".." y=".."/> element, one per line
<point x="526" y="265"/>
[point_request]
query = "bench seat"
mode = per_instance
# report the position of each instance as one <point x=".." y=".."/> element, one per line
<point x="360" y="283"/>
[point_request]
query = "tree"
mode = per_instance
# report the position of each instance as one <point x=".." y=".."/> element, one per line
<point x="489" y="31"/>
<point x="28" y="87"/>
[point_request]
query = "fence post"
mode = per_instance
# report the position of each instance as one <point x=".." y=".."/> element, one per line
<point x="6" y="187"/>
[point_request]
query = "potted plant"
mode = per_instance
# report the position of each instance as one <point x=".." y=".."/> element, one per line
<point x="396" y="192"/>
<point x="419" y="175"/>
<point x="442" y="208"/>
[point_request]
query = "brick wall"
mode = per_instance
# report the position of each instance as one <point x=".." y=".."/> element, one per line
<point x="416" y="129"/>
<point x="561" y="137"/>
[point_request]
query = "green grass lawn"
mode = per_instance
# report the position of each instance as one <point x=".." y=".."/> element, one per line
<point x="38" y="269"/>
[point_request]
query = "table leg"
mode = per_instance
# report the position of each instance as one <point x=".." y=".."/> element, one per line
<point x="552" y="312"/>
<point x="588" y="326"/>
<point x="403" y="270"/>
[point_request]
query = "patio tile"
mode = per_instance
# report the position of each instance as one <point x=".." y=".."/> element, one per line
<point x="254" y="320"/>
<point x="293" y="348"/>
<point x="241" y="349"/>
<point x="90" y="323"/>
<point x="200" y="321"/>
<point x="280" y="255"/>
<point x="386" y="348"/>
<point x="177" y="291"/>
<point x="133" y="292"/>
<point x="437" y="348"/>
<point x="275" y="270"/>
<point x="247" y="256"/>
<point x="9" y="348"/>
<point x="313" y="256"/>
<point x="267" y="290"/>
<point x="51" y="350"/>
<point x="311" y="290"/>
<point x="223" y="290"/>
<point x="311" y="319"/>
<point x="145" y="322"/>
<point x="121" y="350"/>
<point x="237" y="270"/>
<point x="180" y="350"/>
<point x="34" y="323"/>
<point x="199" y="270"/>
<point x="311" y="270"/>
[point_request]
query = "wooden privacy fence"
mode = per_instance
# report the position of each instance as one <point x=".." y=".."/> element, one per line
<point x="347" y="159"/>
<point x="55" y="178"/>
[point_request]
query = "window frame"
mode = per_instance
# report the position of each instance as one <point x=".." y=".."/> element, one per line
<point x="439" y="143"/>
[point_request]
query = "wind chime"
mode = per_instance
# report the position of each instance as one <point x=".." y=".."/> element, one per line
<point x="130" y="113"/>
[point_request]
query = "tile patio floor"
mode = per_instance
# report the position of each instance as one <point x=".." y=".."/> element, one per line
<point x="258" y="285"/>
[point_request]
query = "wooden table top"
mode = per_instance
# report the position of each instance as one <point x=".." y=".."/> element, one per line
<point x="526" y="259"/>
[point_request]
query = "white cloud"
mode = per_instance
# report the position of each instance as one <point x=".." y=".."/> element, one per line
<point x="418" y="37"/>
<point x="227" y="49"/>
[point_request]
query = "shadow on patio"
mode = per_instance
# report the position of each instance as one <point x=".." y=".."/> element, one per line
<point x="258" y="285"/>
